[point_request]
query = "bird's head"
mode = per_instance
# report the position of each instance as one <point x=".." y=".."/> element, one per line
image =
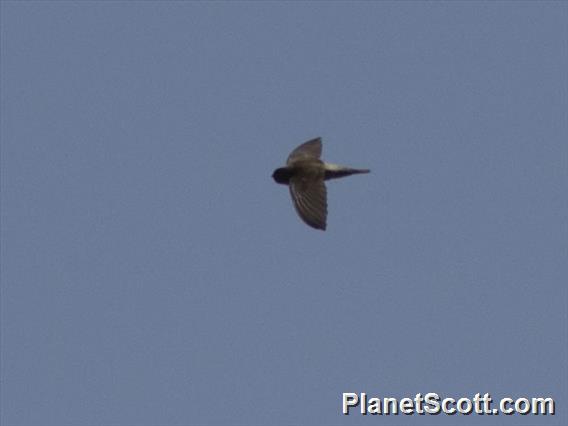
<point x="282" y="175"/>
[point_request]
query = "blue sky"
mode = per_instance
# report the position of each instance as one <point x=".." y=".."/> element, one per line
<point x="154" y="274"/>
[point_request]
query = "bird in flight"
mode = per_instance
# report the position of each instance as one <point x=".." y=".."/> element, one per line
<point x="305" y="174"/>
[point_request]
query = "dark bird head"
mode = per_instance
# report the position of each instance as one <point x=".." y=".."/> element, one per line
<point x="282" y="175"/>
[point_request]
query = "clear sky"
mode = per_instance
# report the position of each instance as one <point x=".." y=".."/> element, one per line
<point x="154" y="274"/>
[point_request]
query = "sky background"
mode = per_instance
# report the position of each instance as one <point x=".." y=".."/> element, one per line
<point x="154" y="274"/>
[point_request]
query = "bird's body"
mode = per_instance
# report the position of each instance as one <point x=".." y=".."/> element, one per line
<point x="305" y="174"/>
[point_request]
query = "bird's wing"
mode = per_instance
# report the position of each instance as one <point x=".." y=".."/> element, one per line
<point x="307" y="151"/>
<point x="310" y="200"/>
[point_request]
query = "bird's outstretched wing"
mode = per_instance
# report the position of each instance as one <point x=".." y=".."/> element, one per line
<point x="310" y="200"/>
<point x="310" y="150"/>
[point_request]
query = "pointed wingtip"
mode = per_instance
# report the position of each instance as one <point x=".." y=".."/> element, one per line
<point x="318" y="226"/>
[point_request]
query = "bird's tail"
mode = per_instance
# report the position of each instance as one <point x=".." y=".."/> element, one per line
<point x="333" y="171"/>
